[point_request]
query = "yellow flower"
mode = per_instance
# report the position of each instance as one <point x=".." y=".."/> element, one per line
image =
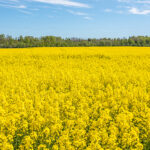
<point x="94" y="98"/>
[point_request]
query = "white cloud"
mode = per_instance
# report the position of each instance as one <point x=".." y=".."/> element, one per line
<point x="84" y="15"/>
<point x="124" y="1"/>
<point x="21" y="6"/>
<point x="13" y="0"/>
<point x="144" y="2"/>
<point x="87" y="18"/>
<point x="108" y="10"/>
<point x="77" y="13"/>
<point x="138" y="12"/>
<point x="69" y="3"/>
<point x="137" y="7"/>
<point x="135" y="1"/>
<point x="13" y="6"/>
<point x="64" y="3"/>
<point x="25" y="12"/>
<point x="9" y="1"/>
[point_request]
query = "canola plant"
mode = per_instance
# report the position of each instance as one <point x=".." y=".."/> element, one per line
<point x="75" y="98"/>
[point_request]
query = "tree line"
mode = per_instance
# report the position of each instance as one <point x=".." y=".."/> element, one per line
<point x="53" y="41"/>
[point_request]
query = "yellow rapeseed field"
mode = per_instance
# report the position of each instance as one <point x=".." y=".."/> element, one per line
<point x="75" y="98"/>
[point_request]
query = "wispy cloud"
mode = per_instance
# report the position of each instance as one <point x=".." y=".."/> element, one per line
<point x="9" y="1"/>
<point x="124" y="1"/>
<point x="135" y="1"/>
<point x="136" y="7"/>
<point x="108" y="10"/>
<point x="144" y="2"/>
<point x="77" y="13"/>
<point x="25" y="7"/>
<point x="136" y="11"/>
<point x="64" y="3"/>
<point x="25" y="12"/>
<point x="13" y="6"/>
<point x="69" y="3"/>
<point x="87" y="18"/>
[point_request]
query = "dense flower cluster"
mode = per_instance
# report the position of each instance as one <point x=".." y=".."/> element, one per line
<point x="75" y="98"/>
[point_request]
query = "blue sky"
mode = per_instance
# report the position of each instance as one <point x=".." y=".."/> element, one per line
<point x="75" y="18"/>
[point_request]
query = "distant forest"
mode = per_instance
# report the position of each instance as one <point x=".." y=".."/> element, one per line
<point x="52" y="41"/>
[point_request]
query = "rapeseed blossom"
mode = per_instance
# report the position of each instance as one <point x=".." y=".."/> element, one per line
<point x="75" y="98"/>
